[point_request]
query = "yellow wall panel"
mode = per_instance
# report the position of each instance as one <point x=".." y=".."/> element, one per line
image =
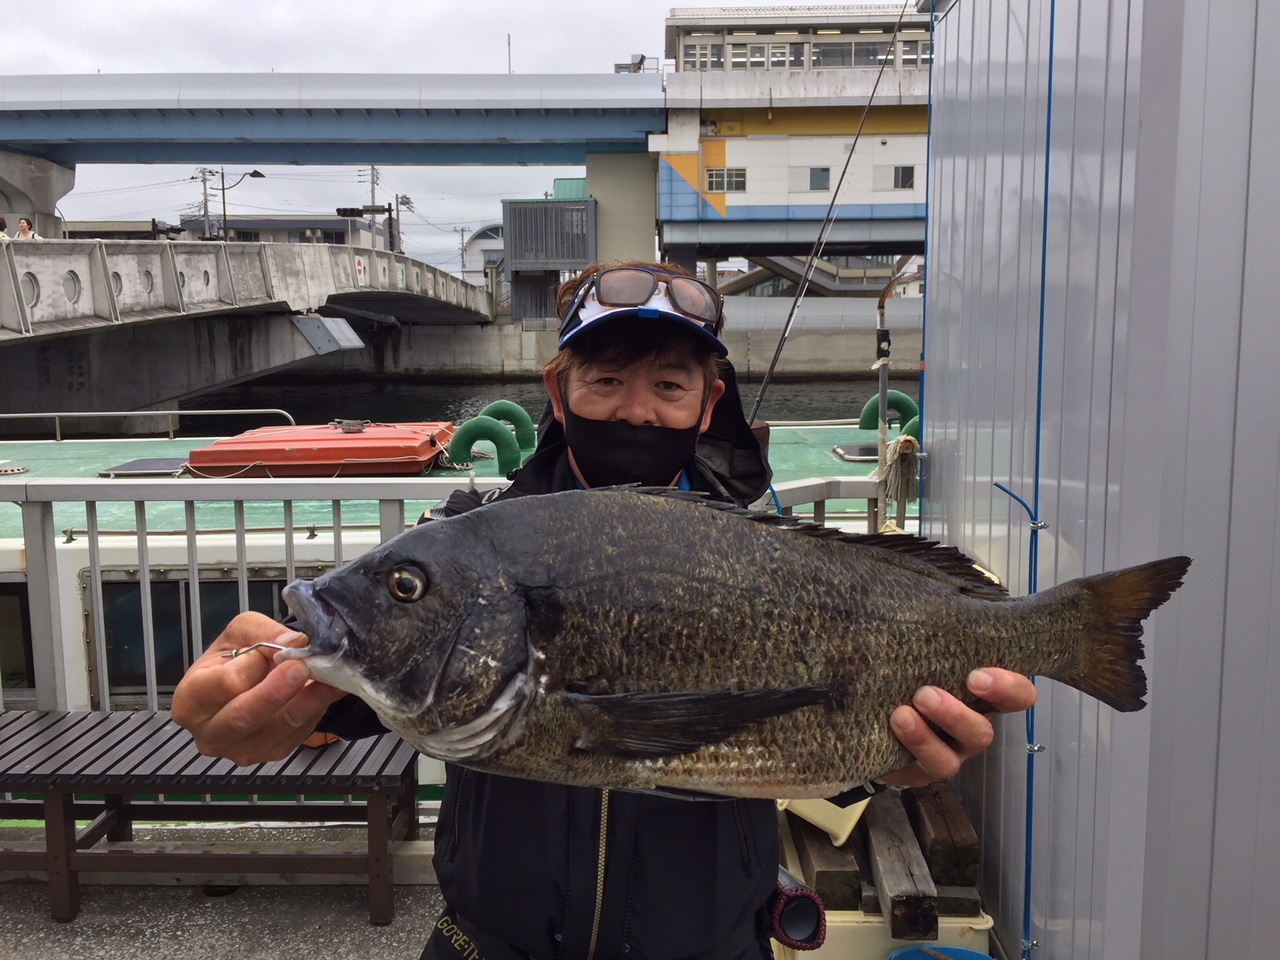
<point x="819" y="121"/>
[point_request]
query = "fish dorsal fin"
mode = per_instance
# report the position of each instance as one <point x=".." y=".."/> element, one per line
<point x="971" y="579"/>
<point x="946" y="561"/>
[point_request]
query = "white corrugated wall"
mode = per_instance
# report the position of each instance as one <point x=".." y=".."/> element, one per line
<point x="1120" y="345"/>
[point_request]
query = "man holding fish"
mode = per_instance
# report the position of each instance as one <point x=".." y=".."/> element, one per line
<point x="640" y="392"/>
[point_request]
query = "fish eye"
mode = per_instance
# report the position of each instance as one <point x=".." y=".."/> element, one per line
<point x="407" y="584"/>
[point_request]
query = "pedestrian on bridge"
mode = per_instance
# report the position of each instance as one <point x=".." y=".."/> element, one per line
<point x="3" y="226"/>
<point x="26" y="231"/>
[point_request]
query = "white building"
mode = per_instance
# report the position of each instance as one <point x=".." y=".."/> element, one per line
<point x="765" y="106"/>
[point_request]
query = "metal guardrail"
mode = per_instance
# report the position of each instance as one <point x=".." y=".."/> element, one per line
<point x="68" y="629"/>
<point x="172" y="415"/>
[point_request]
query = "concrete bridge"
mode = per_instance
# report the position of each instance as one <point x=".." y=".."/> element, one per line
<point x="128" y="324"/>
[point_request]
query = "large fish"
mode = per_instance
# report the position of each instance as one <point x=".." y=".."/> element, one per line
<point x="620" y="639"/>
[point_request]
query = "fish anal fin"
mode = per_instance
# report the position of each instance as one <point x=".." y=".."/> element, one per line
<point x="650" y="725"/>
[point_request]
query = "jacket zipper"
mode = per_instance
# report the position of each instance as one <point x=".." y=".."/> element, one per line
<point x="464" y="780"/>
<point x="744" y="848"/>
<point x="600" y="863"/>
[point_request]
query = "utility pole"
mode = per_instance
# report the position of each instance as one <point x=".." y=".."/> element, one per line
<point x="373" y="202"/>
<point x="462" y="248"/>
<point x="205" y="174"/>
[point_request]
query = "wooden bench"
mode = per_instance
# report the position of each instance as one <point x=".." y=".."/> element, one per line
<point x="117" y="767"/>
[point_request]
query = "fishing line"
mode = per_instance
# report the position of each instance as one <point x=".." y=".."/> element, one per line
<point x="828" y="221"/>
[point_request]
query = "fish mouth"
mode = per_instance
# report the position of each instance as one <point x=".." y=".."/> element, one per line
<point x="328" y="632"/>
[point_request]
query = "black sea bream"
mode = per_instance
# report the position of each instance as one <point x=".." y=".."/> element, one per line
<point x="621" y="639"/>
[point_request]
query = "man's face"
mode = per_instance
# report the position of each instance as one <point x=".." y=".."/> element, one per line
<point x="667" y="392"/>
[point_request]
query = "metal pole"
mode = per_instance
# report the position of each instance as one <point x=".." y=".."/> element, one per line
<point x="204" y="183"/>
<point x="882" y="505"/>
<point x="222" y="232"/>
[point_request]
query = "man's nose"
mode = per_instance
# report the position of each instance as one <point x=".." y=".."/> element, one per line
<point x="636" y="408"/>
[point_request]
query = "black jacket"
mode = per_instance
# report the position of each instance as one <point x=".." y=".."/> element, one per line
<point x="521" y="860"/>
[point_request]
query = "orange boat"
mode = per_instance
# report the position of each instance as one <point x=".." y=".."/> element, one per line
<point x="343" y="448"/>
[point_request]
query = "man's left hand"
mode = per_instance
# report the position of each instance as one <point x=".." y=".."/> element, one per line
<point x="970" y="732"/>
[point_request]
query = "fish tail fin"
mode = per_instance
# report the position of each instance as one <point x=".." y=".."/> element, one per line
<point x="1107" y="667"/>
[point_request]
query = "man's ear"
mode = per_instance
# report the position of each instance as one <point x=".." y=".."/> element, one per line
<point x="552" y="383"/>
<point x="716" y="392"/>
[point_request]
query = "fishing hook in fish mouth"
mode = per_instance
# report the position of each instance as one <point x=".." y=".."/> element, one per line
<point x="240" y="651"/>
<point x="297" y="653"/>
<point x="319" y="659"/>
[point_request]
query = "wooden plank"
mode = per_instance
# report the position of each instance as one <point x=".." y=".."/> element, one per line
<point x="947" y="837"/>
<point x="62" y="743"/>
<point x="908" y="897"/>
<point x="959" y="901"/>
<point x="126" y="749"/>
<point x="831" y="871"/>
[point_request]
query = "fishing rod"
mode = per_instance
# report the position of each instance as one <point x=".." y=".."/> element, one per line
<point x="827" y="223"/>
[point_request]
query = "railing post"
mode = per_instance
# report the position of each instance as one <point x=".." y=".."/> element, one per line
<point x="44" y="597"/>
<point x="390" y="518"/>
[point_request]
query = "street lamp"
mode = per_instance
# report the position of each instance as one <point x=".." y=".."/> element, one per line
<point x="255" y="174"/>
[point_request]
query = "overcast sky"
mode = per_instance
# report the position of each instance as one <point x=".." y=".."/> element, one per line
<point x="326" y="36"/>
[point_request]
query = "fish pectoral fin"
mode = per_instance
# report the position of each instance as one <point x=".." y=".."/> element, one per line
<point x="648" y="725"/>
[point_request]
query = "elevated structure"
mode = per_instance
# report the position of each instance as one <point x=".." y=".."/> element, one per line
<point x="763" y="110"/>
<point x="115" y="325"/>
<point x="48" y="124"/>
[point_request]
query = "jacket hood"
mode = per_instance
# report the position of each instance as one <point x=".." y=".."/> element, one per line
<point x="728" y="456"/>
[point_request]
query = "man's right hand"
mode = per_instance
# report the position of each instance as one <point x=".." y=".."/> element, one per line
<point x="249" y="708"/>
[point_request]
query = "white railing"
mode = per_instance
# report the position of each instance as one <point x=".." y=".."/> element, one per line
<point x="78" y="534"/>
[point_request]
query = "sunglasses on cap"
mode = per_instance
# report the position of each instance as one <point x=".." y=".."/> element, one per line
<point x="621" y="287"/>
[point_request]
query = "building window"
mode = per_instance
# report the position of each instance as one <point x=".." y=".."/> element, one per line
<point x="703" y="56"/>
<point x="819" y="178"/>
<point x="831" y="54"/>
<point x="338" y="237"/>
<point x="726" y="179"/>
<point x="249" y="236"/>
<point x="904" y="178"/>
<point x="870" y="53"/>
<point x="917" y="53"/>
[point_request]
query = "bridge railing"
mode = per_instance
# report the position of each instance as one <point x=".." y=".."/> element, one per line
<point x="59" y="286"/>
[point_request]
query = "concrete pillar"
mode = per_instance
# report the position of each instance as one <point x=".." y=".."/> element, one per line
<point x="31" y="187"/>
<point x="625" y="186"/>
<point x="686" y="255"/>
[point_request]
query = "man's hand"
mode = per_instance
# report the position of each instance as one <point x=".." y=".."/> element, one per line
<point x="248" y="708"/>
<point x="969" y="731"/>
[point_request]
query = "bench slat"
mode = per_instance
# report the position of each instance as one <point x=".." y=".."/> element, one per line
<point x="352" y="760"/>
<point x="20" y="739"/>
<point x="367" y="773"/>
<point x="130" y="747"/>
<point x="62" y="744"/>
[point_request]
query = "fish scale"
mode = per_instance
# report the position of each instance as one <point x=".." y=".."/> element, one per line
<point x="629" y="640"/>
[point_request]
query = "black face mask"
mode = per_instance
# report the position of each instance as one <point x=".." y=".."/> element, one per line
<point x="610" y="452"/>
